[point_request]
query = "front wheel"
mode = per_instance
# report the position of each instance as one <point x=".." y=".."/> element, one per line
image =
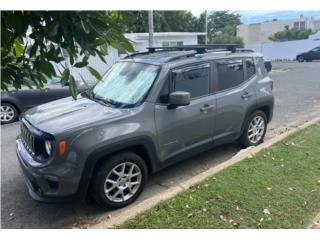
<point x="8" y="113"/>
<point x="254" y="130"/>
<point x="119" y="180"/>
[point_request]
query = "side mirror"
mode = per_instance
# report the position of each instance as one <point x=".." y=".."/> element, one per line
<point x="179" y="98"/>
<point x="268" y="66"/>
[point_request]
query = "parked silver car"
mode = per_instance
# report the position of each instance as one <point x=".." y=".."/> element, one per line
<point x="151" y="110"/>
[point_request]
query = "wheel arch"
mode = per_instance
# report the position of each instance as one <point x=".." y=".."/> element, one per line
<point x="266" y="107"/>
<point x="142" y="146"/>
<point x="12" y="103"/>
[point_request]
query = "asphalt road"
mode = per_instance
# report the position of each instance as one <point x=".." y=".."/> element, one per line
<point x="297" y="93"/>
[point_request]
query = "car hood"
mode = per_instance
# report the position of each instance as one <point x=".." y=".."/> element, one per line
<point x="66" y="114"/>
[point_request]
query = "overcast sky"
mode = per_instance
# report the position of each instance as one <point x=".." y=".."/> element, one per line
<point x="260" y="16"/>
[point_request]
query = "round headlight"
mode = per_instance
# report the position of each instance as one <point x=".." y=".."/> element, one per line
<point x="48" y="147"/>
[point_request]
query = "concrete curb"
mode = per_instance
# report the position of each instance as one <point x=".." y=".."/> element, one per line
<point x="130" y="212"/>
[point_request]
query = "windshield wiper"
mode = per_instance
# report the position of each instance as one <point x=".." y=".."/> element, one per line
<point x="103" y="100"/>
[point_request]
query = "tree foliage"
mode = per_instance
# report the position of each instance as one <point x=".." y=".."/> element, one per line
<point x="164" y="21"/>
<point x="222" y="25"/>
<point x="290" y="35"/>
<point x="33" y="41"/>
<point x="222" y="28"/>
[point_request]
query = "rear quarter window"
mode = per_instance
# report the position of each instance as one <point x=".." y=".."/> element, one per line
<point x="250" y="66"/>
<point x="230" y="73"/>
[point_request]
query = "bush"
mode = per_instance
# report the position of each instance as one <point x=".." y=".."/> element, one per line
<point x="291" y="35"/>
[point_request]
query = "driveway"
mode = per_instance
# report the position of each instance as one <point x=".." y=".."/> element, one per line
<point x="296" y="89"/>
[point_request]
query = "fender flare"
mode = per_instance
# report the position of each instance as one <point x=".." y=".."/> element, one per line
<point x="269" y="104"/>
<point x="95" y="157"/>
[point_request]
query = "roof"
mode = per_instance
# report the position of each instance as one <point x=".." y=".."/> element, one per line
<point x="160" y="57"/>
<point x="137" y="36"/>
<point x="163" y="57"/>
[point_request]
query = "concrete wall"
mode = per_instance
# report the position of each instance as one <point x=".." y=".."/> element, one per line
<point x="285" y="50"/>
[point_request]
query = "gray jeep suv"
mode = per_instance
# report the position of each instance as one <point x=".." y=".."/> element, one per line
<point x="151" y="110"/>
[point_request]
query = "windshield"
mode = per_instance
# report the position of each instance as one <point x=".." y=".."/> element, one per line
<point x="126" y="83"/>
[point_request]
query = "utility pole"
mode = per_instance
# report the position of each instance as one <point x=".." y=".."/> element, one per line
<point x="206" y="27"/>
<point x="150" y="23"/>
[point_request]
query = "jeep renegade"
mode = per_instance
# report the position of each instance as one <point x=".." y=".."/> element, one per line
<point x="151" y="110"/>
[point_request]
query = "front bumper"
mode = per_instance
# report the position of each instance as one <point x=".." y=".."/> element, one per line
<point x="42" y="186"/>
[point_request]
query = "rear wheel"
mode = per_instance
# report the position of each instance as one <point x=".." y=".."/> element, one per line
<point x="8" y="113"/>
<point x="119" y="180"/>
<point x="254" y="130"/>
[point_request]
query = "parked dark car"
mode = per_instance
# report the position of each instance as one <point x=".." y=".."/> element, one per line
<point x="313" y="54"/>
<point x="14" y="102"/>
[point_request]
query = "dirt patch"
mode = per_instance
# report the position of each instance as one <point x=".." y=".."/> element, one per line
<point x="316" y="222"/>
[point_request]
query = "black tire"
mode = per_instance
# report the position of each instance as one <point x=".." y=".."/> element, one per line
<point x="13" y="110"/>
<point x="101" y="174"/>
<point x="244" y="138"/>
<point x="301" y="59"/>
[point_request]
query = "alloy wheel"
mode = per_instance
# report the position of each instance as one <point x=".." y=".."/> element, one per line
<point x="122" y="182"/>
<point x="7" y="113"/>
<point x="256" y="129"/>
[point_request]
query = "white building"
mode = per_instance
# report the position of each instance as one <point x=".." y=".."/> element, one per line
<point x="140" y="41"/>
<point x="260" y="32"/>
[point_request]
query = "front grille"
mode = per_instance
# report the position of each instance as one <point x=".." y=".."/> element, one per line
<point x="27" y="139"/>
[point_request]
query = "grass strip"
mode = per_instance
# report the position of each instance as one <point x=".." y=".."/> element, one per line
<point x="277" y="188"/>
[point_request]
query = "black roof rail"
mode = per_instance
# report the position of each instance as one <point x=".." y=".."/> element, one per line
<point x="181" y="55"/>
<point x="244" y="50"/>
<point x="201" y="48"/>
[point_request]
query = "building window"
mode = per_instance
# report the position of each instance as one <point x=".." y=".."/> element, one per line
<point x="299" y="25"/>
<point x="172" y="43"/>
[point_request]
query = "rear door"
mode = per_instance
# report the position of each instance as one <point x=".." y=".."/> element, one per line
<point x="186" y="127"/>
<point x="235" y="95"/>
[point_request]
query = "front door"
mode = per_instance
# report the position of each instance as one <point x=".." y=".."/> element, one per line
<point x="186" y="127"/>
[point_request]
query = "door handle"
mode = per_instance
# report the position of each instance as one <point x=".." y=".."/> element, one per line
<point x="246" y="95"/>
<point x="206" y="107"/>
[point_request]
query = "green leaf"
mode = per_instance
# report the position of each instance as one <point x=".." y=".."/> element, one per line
<point x="94" y="72"/>
<point x="80" y="64"/>
<point x="53" y="29"/>
<point x="85" y="27"/>
<point x="18" y="47"/>
<point x="73" y="87"/>
<point x="65" y="76"/>
<point x="34" y="49"/>
<point x="101" y="56"/>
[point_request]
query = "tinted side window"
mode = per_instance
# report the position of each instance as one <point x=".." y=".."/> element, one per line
<point x="251" y="69"/>
<point x="230" y="73"/>
<point x="195" y="81"/>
